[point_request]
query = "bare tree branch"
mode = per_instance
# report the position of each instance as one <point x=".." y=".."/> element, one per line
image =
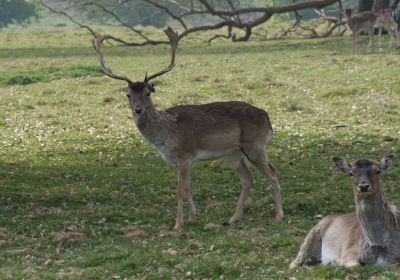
<point x="232" y="16"/>
<point x="138" y="32"/>
<point x="169" y="12"/>
<point x="94" y="33"/>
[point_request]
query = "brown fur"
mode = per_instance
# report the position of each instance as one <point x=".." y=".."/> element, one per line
<point x="371" y="234"/>
<point x="385" y="20"/>
<point x="183" y="134"/>
<point x="359" y="22"/>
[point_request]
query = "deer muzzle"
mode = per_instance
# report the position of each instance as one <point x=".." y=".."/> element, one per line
<point x="363" y="187"/>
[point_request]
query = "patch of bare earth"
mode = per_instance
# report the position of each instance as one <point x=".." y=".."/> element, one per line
<point x="3" y="234"/>
<point x="133" y="232"/>
<point x="67" y="236"/>
<point x="213" y="227"/>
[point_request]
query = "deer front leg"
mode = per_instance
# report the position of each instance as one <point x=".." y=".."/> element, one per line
<point x="371" y="41"/>
<point x="182" y="186"/>
<point x="354" y="43"/>
<point x="379" y="38"/>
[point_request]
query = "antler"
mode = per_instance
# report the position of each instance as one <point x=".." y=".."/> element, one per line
<point x="98" y="42"/>
<point x="173" y="39"/>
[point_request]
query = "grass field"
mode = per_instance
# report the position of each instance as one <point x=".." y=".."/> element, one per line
<point x="76" y="175"/>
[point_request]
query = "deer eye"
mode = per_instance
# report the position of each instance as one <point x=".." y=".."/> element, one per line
<point x="351" y="173"/>
<point x="128" y="95"/>
<point x="377" y="172"/>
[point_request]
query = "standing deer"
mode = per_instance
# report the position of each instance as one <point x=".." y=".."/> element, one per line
<point x="370" y="235"/>
<point x="186" y="133"/>
<point x="385" y="19"/>
<point x="364" y="21"/>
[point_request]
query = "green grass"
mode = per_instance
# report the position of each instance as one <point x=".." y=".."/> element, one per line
<point x="47" y="74"/>
<point x="72" y="161"/>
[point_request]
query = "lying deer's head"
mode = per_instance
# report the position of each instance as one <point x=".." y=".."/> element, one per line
<point x="138" y="93"/>
<point x="364" y="174"/>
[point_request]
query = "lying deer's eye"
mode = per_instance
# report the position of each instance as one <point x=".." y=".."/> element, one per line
<point x="351" y="173"/>
<point x="377" y="172"/>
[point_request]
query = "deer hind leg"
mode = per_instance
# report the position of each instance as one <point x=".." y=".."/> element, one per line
<point x="396" y="32"/>
<point x="310" y="250"/>
<point x="394" y="35"/>
<point x="182" y="188"/>
<point x="241" y="170"/>
<point x="258" y="157"/>
<point x="354" y="38"/>
<point x="192" y="207"/>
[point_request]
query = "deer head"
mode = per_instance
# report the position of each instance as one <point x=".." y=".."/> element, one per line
<point x="365" y="174"/>
<point x="348" y="12"/>
<point x="138" y="92"/>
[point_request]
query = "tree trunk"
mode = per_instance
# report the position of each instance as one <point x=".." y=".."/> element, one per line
<point x="364" y="5"/>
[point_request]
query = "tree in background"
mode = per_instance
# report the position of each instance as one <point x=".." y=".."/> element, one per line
<point x="15" y="11"/>
<point x="189" y="16"/>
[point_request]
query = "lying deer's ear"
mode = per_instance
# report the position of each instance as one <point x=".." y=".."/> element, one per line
<point x="342" y="164"/>
<point x="385" y="162"/>
<point x="152" y="87"/>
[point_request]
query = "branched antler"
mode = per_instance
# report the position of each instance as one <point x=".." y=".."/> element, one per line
<point x="97" y="43"/>
<point x="174" y="40"/>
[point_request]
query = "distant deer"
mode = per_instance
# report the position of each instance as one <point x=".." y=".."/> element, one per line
<point x="183" y="134"/>
<point x="385" y="19"/>
<point x="370" y="235"/>
<point x="364" y="21"/>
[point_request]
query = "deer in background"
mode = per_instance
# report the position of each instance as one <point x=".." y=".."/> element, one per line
<point x="385" y="19"/>
<point x="187" y="133"/>
<point x="370" y="235"/>
<point x="364" y="21"/>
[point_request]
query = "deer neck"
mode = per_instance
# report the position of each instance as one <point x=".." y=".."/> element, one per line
<point x="377" y="219"/>
<point x="152" y="124"/>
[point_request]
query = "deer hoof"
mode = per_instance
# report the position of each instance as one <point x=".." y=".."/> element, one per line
<point x="192" y="219"/>
<point x="279" y="218"/>
<point x="178" y="226"/>
<point x="293" y="265"/>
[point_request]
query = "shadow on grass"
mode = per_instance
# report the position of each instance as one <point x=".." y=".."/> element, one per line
<point x="146" y="186"/>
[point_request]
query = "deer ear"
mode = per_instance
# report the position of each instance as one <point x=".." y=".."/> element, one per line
<point x="152" y="87"/>
<point x="342" y="164"/>
<point x="385" y="162"/>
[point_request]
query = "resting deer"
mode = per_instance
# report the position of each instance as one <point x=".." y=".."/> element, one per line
<point x="385" y="19"/>
<point x="187" y="133"/>
<point x="364" y="21"/>
<point x="370" y="235"/>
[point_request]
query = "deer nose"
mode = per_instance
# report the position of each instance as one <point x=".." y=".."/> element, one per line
<point x="363" y="187"/>
<point x="138" y="110"/>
